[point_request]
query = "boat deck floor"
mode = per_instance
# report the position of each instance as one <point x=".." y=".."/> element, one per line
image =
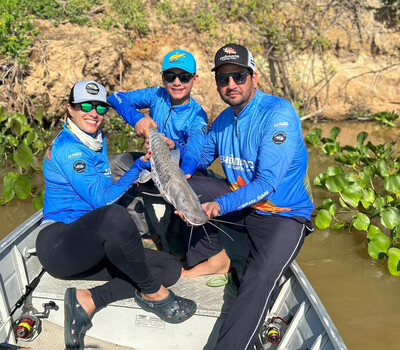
<point x="212" y="303"/>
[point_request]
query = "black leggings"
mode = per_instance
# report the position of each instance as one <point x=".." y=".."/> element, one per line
<point x="105" y="245"/>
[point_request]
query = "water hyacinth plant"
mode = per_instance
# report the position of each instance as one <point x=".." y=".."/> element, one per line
<point x="21" y="147"/>
<point x="365" y="188"/>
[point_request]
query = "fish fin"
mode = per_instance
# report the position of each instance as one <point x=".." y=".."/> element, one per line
<point x="144" y="176"/>
<point x="175" y="156"/>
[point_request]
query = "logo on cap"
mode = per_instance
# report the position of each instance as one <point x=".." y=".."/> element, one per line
<point x="229" y="50"/>
<point x="92" y="89"/>
<point x="176" y="56"/>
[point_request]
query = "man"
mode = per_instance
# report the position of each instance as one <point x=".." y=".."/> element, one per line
<point x="173" y="112"/>
<point x="259" y="143"/>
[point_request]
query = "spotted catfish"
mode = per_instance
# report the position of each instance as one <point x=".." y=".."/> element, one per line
<point x="171" y="181"/>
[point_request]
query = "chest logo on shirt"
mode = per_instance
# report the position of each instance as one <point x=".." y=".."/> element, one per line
<point x="79" y="166"/>
<point x="279" y="137"/>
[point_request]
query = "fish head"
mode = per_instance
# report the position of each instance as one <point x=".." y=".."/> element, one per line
<point x="191" y="209"/>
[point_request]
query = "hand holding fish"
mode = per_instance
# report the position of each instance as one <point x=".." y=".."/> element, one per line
<point x="142" y="127"/>
<point x="146" y="157"/>
<point x="169" y="142"/>
<point x="212" y="209"/>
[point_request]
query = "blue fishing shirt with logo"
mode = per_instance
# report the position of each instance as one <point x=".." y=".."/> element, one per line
<point x="264" y="158"/>
<point x="79" y="179"/>
<point x="185" y="124"/>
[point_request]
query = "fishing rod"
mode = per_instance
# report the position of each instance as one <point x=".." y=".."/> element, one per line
<point x="28" y="290"/>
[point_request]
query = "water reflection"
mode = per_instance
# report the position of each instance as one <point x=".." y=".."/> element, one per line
<point x="359" y="293"/>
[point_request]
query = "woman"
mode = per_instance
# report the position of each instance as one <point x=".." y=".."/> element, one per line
<point x="86" y="236"/>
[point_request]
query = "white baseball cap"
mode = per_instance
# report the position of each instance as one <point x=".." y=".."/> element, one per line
<point x="88" y="90"/>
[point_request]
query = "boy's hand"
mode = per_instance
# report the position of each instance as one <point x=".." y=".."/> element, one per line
<point x="142" y="127"/>
<point x="169" y="142"/>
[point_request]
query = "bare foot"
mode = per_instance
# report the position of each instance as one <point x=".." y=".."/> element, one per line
<point x="219" y="263"/>
<point x="160" y="295"/>
<point x="84" y="298"/>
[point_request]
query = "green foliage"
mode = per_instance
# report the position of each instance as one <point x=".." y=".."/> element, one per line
<point x="20" y="145"/>
<point x="385" y="117"/>
<point x="364" y="185"/>
<point x="123" y="137"/>
<point x="132" y="14"/>
<point x="16" y="30"/>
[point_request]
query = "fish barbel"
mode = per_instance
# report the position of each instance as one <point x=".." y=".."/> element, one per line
<point x="171" y="181"/>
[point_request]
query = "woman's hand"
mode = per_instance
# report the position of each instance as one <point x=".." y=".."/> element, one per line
<point x="147" y="156"/>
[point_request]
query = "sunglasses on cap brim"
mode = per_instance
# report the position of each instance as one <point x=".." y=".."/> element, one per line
<point x="184" y="78"/>
<point x="239" y="78"/>
<point x="87" y="107"/>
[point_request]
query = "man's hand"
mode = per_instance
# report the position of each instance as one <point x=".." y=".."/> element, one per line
<point x="212" y="209"/>
<point x="169" y="142"/>
<point x="142" y="127"/>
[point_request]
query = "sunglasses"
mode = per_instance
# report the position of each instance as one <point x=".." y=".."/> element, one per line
<point x="183" y="77"/>
<point x="239" y="78"/>
<point x="87" y="107"/>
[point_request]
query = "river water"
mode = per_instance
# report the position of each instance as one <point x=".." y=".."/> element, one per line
<point x="360" y="295"/>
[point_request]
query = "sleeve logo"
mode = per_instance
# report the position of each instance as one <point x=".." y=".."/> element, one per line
<point x="79" y="166"/>
<point x="279" y="137"/>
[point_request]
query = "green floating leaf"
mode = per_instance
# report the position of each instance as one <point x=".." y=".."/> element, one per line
<point x="372" y="231"/>
<point x="392" y="183"/>
<point x="323" y="219"/>
<point x="379" y="203"/>
<point x="334" y="133"/>
<point x="382" y="168"/>
<point x="378" y="246"/>
<point x="394" y="261"/>
<point x="352" y="195"/>
<point x="336" y="183"/>
<point x="362" y="222"/>
<point x="38" y="200"/>
<point x="312" y="139"/>
<point x="338" y="225"/>
<point x="361" y="137"/>
<point x="334" y="170"/>
<point x="23" y="156"/>
<point x="329" y="205"/>
<point x="390" y="217"/>
<point x="23" y="186"/>
<point x="30" y="137"/>
<point x="319" y="180"/>
<point x="368" y="195"/>
<point x="8" y="191"/>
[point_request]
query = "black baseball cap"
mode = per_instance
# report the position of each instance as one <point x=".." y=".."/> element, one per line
<point x="234" y="54"/>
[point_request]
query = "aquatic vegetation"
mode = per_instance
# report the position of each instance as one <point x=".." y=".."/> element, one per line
<point x="365" y="192"/>
<point x="21" y="147"/>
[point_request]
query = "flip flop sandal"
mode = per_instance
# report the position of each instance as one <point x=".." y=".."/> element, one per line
<point x="75" y="320"/>
<point x="226" y="279"/>
<point x="172" y="309"/>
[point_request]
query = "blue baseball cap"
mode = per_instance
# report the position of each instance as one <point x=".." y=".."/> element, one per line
<point x="179" y="59"/>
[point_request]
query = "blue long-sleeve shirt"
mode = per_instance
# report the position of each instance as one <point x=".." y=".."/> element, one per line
<point x="79" y="179"/>
<point x="264" y="158"/>
<point x="185" y="124"/>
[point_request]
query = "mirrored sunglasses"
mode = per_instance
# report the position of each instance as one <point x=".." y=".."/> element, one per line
<point x="183" y="77"/>
<point x="87" y="107"/>
<point x="239" y="78"/>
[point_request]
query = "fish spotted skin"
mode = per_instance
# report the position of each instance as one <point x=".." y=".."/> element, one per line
<point x="171" y="181"/>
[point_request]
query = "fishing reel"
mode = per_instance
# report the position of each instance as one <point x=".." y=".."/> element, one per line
<point x="28" y="326"/>
<point x="272" y="329"/>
